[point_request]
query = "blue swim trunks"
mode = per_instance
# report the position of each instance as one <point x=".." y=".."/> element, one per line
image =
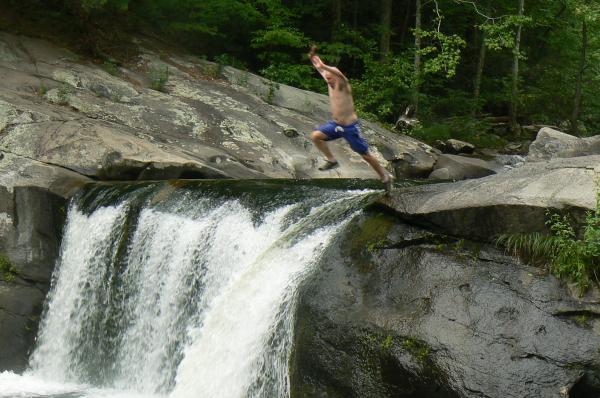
<point x="350" y="133"/>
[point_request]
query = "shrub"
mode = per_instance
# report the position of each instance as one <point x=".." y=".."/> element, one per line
<point x="475" y="131"/>
<point x="7" y="271"/>
<point x="159" y="78"/>
<point x="570" y="258"/>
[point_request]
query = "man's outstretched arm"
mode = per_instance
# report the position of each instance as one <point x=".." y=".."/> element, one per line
<point x="321" y="67"/>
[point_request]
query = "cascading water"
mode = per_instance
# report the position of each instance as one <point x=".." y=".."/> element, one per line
<point x="180" y="291"/>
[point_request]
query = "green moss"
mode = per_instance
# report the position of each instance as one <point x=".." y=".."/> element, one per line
<point x="367" y="237"/>
<point x="42" y="90"/>
<point x="582" y="320"/>
<point x="418" y="349"/>
<point x="7" y="271"/>
<point x="387" y="343"/>
<point x="63" y="95"/>
<point x="159" y="79"/>
<point x="111" y="67"/>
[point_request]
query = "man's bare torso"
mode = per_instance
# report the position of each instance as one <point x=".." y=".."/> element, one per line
<point x="342" y="104"/>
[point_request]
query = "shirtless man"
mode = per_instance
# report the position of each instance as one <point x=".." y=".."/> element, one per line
<point x="345" y="123"/>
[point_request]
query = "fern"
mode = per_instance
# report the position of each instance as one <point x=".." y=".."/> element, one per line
<point x="570" y="258"/>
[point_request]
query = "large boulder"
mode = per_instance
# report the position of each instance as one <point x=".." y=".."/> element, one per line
<point x="390" y="315"/>
<point x="551" y="144"/>
<point x="456" y="167"/>
<point x="167" y="115"/>
<point x="510" y="202"/>
<point x="454" y="146"/>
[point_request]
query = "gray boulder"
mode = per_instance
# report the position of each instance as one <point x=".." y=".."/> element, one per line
<point x="510" y="202"/>
<point x="413" y="165"/>
<point x="551" y="144"/>
<point x="456" y="167"/>
<point x="454" y="147"/>
<point x="205" y="122"/>
<point x="390" y="315"/>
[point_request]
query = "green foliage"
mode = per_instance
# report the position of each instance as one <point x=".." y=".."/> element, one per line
<point x="273" y="36"/>
<point x="42" y="90"/>
<point x="387" y="343"/>
<point x="111" y="67"/>
<point x="159" y="78"/>
<point x="95" y="5"/>
<point x="570" y="258"/>
<point x="472" y="130"/>
<point x="500" y="34"/>
<point x="7" y="270"/>
<point x="297" y="75"/>
<point x="272" y="90"/>
<point x="230" y="60"/>
<point x="385" y="88"/>
<point x="63" y="94"/>
<point x="443" y="52"/>
<point x="417" y="348"/>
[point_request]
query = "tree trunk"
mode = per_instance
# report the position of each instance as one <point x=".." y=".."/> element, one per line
<point x="515" y="73"/>
<point x="404" y="28"/>
<point x="478" y="76"/>
<point x="417" y="69"/>
<point x="579" y="84"/>
<point x="336" y="9"/>
<point x="386" y="29"/>
<point x="480" y="66"/>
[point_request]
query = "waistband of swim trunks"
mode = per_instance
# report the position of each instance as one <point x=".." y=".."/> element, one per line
<point x="354" y="123"/>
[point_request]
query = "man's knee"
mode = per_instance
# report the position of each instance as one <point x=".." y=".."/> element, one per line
<point x="317" y="136"/>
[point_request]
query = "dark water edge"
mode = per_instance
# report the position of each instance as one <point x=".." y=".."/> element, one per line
<point x="259" y="194"/>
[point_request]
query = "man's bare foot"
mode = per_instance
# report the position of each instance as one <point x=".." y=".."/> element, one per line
<point x="388" y="183"/>
<point x="329" y="165"/>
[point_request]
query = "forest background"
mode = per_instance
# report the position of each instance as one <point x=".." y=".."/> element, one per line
<point x="463" y="67"/>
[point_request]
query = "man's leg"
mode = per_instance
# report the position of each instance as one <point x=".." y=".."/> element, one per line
<point x="320" y="140"/>
<point x="383" y="174"/>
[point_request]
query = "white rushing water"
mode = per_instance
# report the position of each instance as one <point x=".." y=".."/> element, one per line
<point x="193" y="300"/>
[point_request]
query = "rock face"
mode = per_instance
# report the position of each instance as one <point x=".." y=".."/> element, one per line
<point x="511" y="202"/>
<point x="65" y="121"/>
<point x="551" y="144"/>
<point x="199" y="121"/>
<point x="387" y="316"/>
<point x="33" y="200"/>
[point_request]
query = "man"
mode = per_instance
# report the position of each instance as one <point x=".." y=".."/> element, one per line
<point x="345" y="123"/>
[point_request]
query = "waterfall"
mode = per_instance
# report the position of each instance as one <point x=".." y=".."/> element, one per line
<point x="181" y="291"/>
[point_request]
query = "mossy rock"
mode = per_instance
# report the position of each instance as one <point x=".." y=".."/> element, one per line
<point x="8" y="272"/>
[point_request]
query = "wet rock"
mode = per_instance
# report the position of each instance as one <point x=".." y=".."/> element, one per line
<point x="33" y="200"/>
<point x="20" y="309"/>
<point x="429" y="320"/>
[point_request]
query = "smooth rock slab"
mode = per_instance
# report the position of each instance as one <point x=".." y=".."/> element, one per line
<point x="511" y="202"/>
